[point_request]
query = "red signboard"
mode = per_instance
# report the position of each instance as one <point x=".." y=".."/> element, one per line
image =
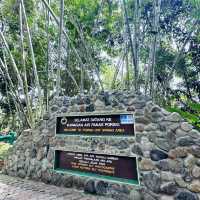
<point x="111" y="124"/>
<point x="112" y="167"/>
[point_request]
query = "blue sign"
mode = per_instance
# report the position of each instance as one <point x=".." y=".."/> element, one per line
<point x="126" y="119"/>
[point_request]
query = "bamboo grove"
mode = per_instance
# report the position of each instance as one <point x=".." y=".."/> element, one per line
<point x="68" y="47"/>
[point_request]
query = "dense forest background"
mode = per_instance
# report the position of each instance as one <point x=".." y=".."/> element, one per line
<point x="67" y="47"/>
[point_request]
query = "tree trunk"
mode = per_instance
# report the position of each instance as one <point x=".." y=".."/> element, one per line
<point x="39" y="109"/>
<point x="119" y="64"/>
<point x="58" y="81"/>
<point x="14" y="91"/>
<point x="31" y="48"/>
<point x="126" y="39"/>
<point x="177" y="58"/>
<point x="147" y="80"/>
<point x="19" y="79"/>
<point x="131" y="44"/>
<point x="127" y="72"/>
<point x="87" y="50"/>
<point x="189" y="95"/>
<point x="28" y="103"/>
<point x="67" y="37"/>
<point x="46" y="91"/>
<point x="136" y="41"/>
<point x="153" y="50"/>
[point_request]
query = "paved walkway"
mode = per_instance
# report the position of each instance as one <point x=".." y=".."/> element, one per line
<point x="20" y="189"/>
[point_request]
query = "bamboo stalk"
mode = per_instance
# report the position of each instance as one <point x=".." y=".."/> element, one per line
<point x="87" y="50"/>
<point x="177" y="58"/>
<point x="20" y="82"/>
<point x="67" y="37"/>
<point x="120" y="62"/>
<point x="58" y="84"/>
<point x="136" y="41"/>
<point x="127" y="85"/>
<point x="47" y="61"/>
<point x="36" y="77"/>
<point x="131" y="44"/>
<point x="28" y="104"/>
<point x="31" y="47"/>
<point x="13" y="90"/>
<point x="152" y="61"/>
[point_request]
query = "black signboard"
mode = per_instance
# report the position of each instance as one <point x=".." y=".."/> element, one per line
<point x="110" y="124"/>
<point x="111" y="167"/>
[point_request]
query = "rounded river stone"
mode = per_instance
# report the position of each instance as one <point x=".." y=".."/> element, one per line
<point x="157" y="155"/>
<point x="90" y="187"/>
<point x="186" y="195"/>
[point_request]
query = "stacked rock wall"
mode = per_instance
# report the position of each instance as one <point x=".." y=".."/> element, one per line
<point x="168" y="149"/>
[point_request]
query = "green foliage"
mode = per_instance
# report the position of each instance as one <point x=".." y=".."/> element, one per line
<point x="193" y="118"/>
<point x="103" y="27"/>
<point x="196" y="8"/>
<point x="81" y="9"/>
<point x="4" y="148"/>
<point x="164" y="60"/>
<point x="108" y="73"/>
<point x="194" y="106"/>
<point x="10" y="11"/>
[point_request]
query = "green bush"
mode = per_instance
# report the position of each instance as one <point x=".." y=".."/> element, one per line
<point x="192" y="117"/>
<point x="4" y="148"/>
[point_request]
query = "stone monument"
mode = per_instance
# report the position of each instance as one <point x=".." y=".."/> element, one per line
<point x="162" y="149"/>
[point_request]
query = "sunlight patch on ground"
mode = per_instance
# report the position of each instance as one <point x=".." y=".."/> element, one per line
<point x="4" y="147"/>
